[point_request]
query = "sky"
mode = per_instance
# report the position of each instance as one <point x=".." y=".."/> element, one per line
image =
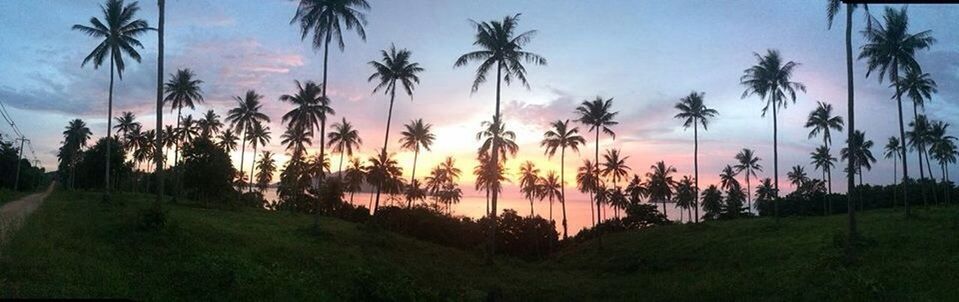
<point x="646" y="55"/>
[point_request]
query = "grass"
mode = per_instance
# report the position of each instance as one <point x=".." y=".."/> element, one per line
<point x="75" y="247"/>
<point x="8" y="195"/>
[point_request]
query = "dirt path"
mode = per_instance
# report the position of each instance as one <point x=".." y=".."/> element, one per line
<point x="15" y="212"/>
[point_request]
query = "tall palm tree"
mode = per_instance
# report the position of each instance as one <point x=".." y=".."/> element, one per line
<point x="598" y="115"/>
<point x="614" y="166"/>
<point x="685" y="197"/>
<point x="919" y="87"/>
<point x="227" y="140"/>
<point x="561" y="136"/>
<point x="488" y="176"/>
<point x="821" y="121"/>
<point x="771" y="80"/>
<point x="265" y="169"/>
<point x="494" y="134"/>
<point x="528" y="180"/>
<point x="694" y="113"/>
<point x="182" y="90"/>
<point x="118" y="35"/>
<point x="296" y="139"/>
<point x="748" y="162"/>
<point x="209" y="124"/>
<point x="727" y="178"/>
<point x="326" y="20"/>
<point x="259" y="135"/>
<point x="797" y="176"/>
<point x="890" y="49"/>
<point x="243" y="116"/>
<point x="823" y="160"/>
<point x="587" y="181"/>
<point x="892" y="150"/>
<point x="343" y="139"/>
<point x="75" y="138"/>
<point x="499" y="45"/>
<point x="354" y="177"/>
<point x="917" y="138"/>
<point x="941" y="146"/>
<point x="417" y="135"/>
<point x="311" y="111"/>
<point x="661" y="183"/>
<point x="393" y="68"/>
<point x="832" y="9"/>
<point x="126" y="122"/>
<point x="863" y="153"/>
<point x="549" y="188"/>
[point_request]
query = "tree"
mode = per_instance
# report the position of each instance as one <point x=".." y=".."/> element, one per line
<point x="528" y="181"/>
<point x="890" y="49"/>
<point x="75" y="137"/>
<point x="354" y="177"/>
<point x="824" y="161"/>
<point x="797" y="177"/>
<point x="296" y="139"/>
<point x="685" y="197"/>
<point x="771" y="80"/>
<point x="561" y="136"/>
<point x="417" y="135"/>
<point x="614" y="166"/>
<point x="863" y="154"/>
<point x="488" y="176"/>
<point x="312" y="109"/>
<point x="942" y="147"/>
<point x="748" y="162"/>
<point x="243" y="116"/>
<point x="182" y="90"/>
<point x="501" y="46"/>
<point x="227" y="140"/>
<point x="893" y="150"/>
<point x="209" y="124"/>
<point x="636" y="189"/>
<point x="694" y="113"/>
<point x="765" y="191"/>
<point x="209" y="172"/>
<point x="126" y="122"/>
<point x="587" y="181"/>
<point x="661" y="183"/>
<point x="118" y="38"/>
<point x="727" y="178"/>
<point x="265" y="169"/>
<point x="919" y="87"/>
<point x="394" y="66"/>
<point x="821" y="121"/>
<point x="549" y="188"/>
<point x="494" y="134"/>
<point x="598" y="115"/>
<point x="259" y="135"/>
<point x="343" y="139"/>
<point x="712" y="203"/>
<point x="414" y="192"/>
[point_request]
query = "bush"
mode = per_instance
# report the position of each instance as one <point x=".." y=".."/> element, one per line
<point x="207" y="172"/>
<point x="638" y="216"/>
<point x="870" y="197"/>
<point x="430" y="225"/>
<point x="524" y="237"/>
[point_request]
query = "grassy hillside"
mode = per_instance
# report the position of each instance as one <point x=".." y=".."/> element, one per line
<point x="75" y="247"/>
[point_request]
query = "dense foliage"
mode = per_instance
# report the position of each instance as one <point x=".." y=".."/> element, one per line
<point x="207" y="172"/>
<point x="31" y="176"/>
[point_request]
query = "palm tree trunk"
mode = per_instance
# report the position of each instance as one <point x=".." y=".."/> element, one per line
<point x="326" y="54"/>
<point x="339" y="169"/>
<point x="495" y="161"/>
<point x="696" y="165"/>
<point x="599" y="216"/>
<point x="902" y="138"/>
<point x="176" y="154"/>
<point x="749" y="193"/>
<point x="159" y="119"/>
<point x="551" y="209"/>
<point x="242" y="154"/>
<point x="109" y="130"/>
<point x="386" y="140"/>
<point x="592" y="215"/>
<point x="775" y="160"/>
<point x="530" y="208"/>
<point x="562" y="185"/>
<point x="252" y="168"/>
<point x="416" y="155"/>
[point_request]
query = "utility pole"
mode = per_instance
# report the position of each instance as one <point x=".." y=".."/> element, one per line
<point x="159" y="119"/>
<point x="16" y="182"/>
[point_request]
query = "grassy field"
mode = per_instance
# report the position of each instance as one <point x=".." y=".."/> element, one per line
<point x="75" y="247"/>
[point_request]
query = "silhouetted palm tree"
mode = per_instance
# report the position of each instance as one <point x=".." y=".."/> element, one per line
<point x="417" y="135"/>
<point x="228" y="140"/>
<point x="126" y="122"/>
<point x="685" y="197"/>
<point x="890" y="49"/>
<point x="919" y="87"/>
<point x="821" y="120"/>
<point x="942" y="146"/>
<point x="312" y="109"/>
<point x="614" y="166"/>
<point x="661" y="183"/>
<point x="500" y="46"/>
<point x="182" y="90"/>
<point x="296" y="139"/>
<point x="494" y="134"/>
<point x="748" y="162"/>
<point x="561" y="136"/>
<point x="528" y="179"/>
<point x="712" y="202"/>
<point x="694" y="113"/>
<point x="354" y="177"/>
<point x="488" y="177"/>
<point x="265" y="169"/>
<point x="118" y="32"/>
<point x="598" y="115"/>
<point x="259" y="135"/>
<point x="863" y="153"/>
<point x="587" y="181"/>
<point x="209" y="124"/>
<point x="765" y="190"/>
<point x="824" y="161"/>
<point x="727" y="178"/>
<point x="549" y="188"/>
<point x="243" y="116"/>
<point x="75" y="137"/>
<point x="797" y="176"/>
<point x="343" y="139"/>
<point x="893" y="150"/>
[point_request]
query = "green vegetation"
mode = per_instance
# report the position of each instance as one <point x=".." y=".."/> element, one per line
<point x="74" y="246"/>
<point x="7" y="195"/>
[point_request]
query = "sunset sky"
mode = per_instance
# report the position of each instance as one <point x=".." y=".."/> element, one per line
<point x="645" y="55"/>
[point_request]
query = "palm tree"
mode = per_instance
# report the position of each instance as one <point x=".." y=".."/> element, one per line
<point x="312" y="109"/>
<point x="209" y="124"/>
<point x="417" y="135"/>
<point x="187" y="130"/>
<point x="863" y="153"/>
<point x="343" y="139"/>
<point x="598" y="115"/>
<point x="685" y="196"/>
<point x="126" y="122"/>
<point x="561" y="136"/>
<point x="354" y="177"/>
<point x="157" y="143"/>
<point x="832" y="9"/>
<point x="694" y="113"/>
<point x="587" y="181"/>
<point x="614" y="166"/>
<point x="765" y="190"/>
<point x="727" y="178"/>
<point x="748" y="162"/>
<point x="712" y="202"/>
<point x="243" y="116"/>
<point x="890" y="49"/>
<point x="797" y="176"/>
<point x="227" y="140"/>
<point x="500" y="46"/>
<point x="326" y="19"/>
<point x="549" y="188"/>
<point x="824" y="161"/>
<point x="919" y="87"/>
<point x="384" y="171"/>
<point x="296" y="139"/>
<point x="494" y="134"/>
<point x="528" y="180"/>
<point x="118" y="38"/>
<point x="942" y="146"/>
<point x="771" y="80"/>
<point x="259" y="135"/>
<point x="182" y="90"/>
<point x="821" y="120"/>
<point x="75" y="137"/>
<point x="661" y="183"/>
<point x="266" y="167"/>
<point x="892" y="150"/>
<point x="488" y="176"/>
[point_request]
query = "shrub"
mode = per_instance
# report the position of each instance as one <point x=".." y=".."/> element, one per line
<point x="207" y="172"/>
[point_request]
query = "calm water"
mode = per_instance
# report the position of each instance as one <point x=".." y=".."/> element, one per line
<point x="577" y="208"/>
